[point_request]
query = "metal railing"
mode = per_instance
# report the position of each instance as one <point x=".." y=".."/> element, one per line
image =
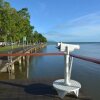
<point x="94" y="60"/>
<point x="90" y="59"/>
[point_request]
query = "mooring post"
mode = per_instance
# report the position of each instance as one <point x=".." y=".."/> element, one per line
<point x="12" y="68"/>
<point x="27" y="66"/>
<point x="20" y="64"/>
<point x="23" y="57"/>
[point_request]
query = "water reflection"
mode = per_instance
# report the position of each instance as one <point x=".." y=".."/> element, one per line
<point x="46" y="67"/>
<point x="20" y="71"/>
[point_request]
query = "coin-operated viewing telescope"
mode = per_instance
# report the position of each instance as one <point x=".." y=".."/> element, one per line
<point x="68" y="47"/>
<point x="66" y="85"/>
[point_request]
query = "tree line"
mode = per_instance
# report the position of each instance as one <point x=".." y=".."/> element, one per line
<point x="14" y="25"/>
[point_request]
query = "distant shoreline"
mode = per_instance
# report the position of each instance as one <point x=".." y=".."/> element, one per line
<point x="74" y="42"/>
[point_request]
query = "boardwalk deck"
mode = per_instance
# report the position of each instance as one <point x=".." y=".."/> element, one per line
<point x="32" y="90"/>
<point x="4" y="59"/>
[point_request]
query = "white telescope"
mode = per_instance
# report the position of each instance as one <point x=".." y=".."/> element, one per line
<point x="68" y="47"/>
<point x="66" y="85"/>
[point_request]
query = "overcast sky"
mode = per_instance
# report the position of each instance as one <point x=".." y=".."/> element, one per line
<point x="64" y="20"/>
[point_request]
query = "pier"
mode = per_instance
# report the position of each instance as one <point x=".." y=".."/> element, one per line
<point x="7" y="63"/>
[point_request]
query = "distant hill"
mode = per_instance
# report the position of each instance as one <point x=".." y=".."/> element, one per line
<point x="51" y="42"/>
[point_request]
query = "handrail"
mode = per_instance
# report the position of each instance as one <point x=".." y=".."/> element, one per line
<point x="32" y="54"/>
<point x="94" y="60"/>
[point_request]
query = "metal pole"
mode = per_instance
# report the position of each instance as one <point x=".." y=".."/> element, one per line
<point x="67" y="72"/>
<point x="11" y="44"/>
<point x="71" y="62"/>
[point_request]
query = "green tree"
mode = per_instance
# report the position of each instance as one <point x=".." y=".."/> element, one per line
<point x="14" y="25"/>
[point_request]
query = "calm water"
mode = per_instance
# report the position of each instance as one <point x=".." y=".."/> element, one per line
<point x="87" y="73"/>
<point x="48" y="67"/>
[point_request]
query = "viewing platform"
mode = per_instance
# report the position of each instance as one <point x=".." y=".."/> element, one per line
<point x="40" y="89"/>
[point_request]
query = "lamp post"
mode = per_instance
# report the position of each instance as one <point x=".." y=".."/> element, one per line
<point x="24" y="41"/>
<point x="11" y="44"/>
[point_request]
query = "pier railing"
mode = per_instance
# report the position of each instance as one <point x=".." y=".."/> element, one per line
<point x="90" y="59"/>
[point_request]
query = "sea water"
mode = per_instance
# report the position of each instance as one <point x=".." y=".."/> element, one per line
<point x="87" y="73"/>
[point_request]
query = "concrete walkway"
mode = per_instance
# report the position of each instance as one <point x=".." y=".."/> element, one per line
<point x="32" y="90"/>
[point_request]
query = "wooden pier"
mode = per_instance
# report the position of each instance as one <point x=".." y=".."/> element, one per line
<point x="8" y="63"/>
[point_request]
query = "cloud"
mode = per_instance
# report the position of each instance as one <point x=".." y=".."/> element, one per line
<point x="84" y="28"/>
